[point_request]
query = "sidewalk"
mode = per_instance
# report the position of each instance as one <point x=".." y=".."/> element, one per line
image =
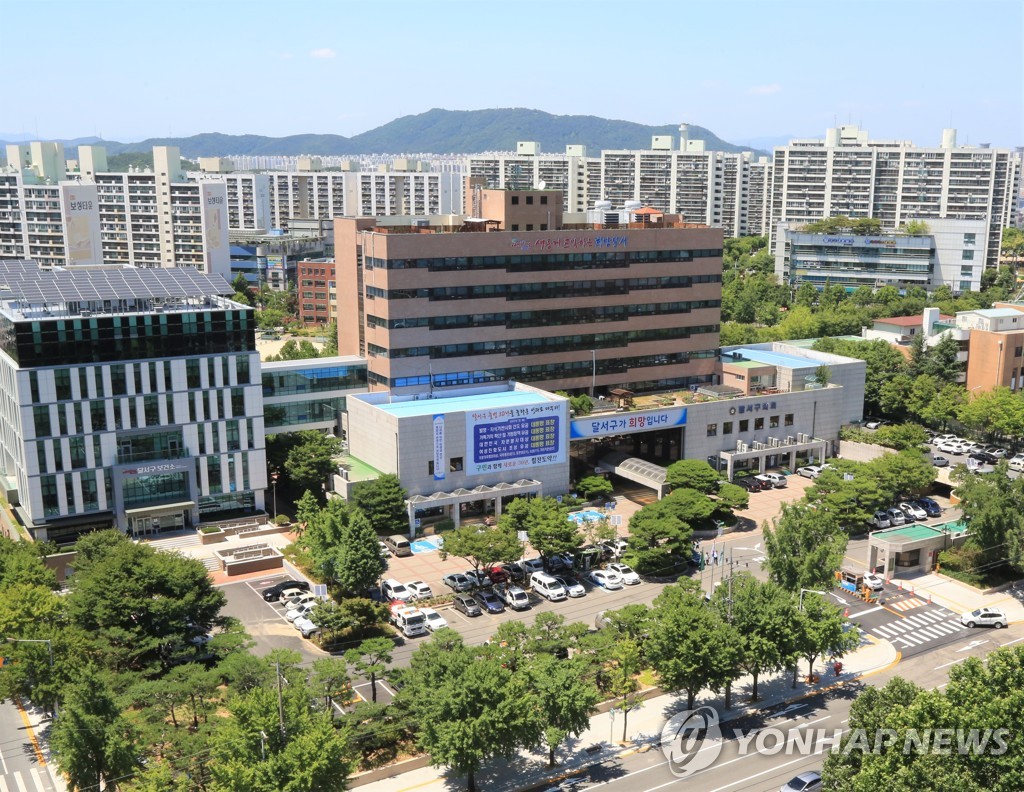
<point x="39" y="732"/>
<point x="601" y="743"/>
<point x="961" y="597"/>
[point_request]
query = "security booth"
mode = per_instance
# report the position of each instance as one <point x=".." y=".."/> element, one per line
<point x="913" y="548"/>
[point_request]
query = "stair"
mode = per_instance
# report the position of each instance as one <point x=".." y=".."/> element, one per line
<point x="175" y="542"/>
<point x="212" y="563"/>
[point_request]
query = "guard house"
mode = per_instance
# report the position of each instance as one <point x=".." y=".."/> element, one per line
<point x="463" y="452"/>
<point x="913" y="548"/>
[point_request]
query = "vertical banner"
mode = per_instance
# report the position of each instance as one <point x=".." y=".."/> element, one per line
<point x="80" y="206"/>
<point x="439" y="459"/>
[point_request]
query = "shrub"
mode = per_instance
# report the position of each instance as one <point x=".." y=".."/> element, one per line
<point x="447" y="524"/>
<point x="282" y="519"/>
<point x="209" y="529"/>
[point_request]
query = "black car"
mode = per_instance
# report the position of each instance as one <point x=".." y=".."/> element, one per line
<point x="273" y="594"/>
<point x="984" y="456"/>
<point x="749" y="483"/>
<point x="489" y="601"/>
<point x="932" y="509"/>
<point x="466" y="604"/>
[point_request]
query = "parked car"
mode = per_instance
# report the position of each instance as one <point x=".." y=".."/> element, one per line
<point x="873" y="581"/>
<point x="300" y="610"/>
<point x="809" y="471"/>
<point x="513" y="596"/>
<point x="296" y="600"/>
<point x="435" y="621"/>
<point x="514" y="572"/>
<point x="419" y="589"/>
<point x="478" y="579"/>
<point x="996" y="451"/>
<point x="629" y="577"/>
<point x="881" y="520"/>
<point x="944" y="438"/>
<point x="532" y="565"/>
<point x="466" y="604"/>
<point x="874" y="423"/>
<point x="749" y="483"/>
<point x="572" y="586"/>
<point x="1017" y="462"/>
<point x="940" y="461"/>
<point x="984" y="617"/>
<point x="912" y="511"/>
<point x="489" y="602"/>
<point x="984" y="457"/>
<point x="931" y="507"/>
<point x="805" y="782"/>
<point x="560" y="562"/>
<point x="273" y="594"/>
<point x="896" y="516"/>
<point x="776" y="480"/>
<point x="954" y="446"/>
<point x="457" y="582"/>
<point x="613" y="548"/>
<point x="547" y="586"/>
<point x="497" y="574"/>
<point x="306" y="627"/>
<point x="385" y="551"/>
<point x="606" y="579"/>
<point x="393" y="590"/>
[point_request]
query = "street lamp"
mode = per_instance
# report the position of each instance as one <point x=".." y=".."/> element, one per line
<point x="273" y="481"/>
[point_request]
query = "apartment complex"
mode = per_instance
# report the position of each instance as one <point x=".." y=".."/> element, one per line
<point x="895" y="182"/>
<point x="131" y="397"/>
<point x="524" y="292"/>
<point x="951" y="253"/>
<point x="577" y="176"/>
<point x="156" y="218"/>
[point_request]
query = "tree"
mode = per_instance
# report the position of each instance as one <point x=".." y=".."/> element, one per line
<point x="882" y="362"/>
<point x="311" y="460"/>
<point x="383" y="502"/>
<point x="595" y="487"/>
<point x="905" y="473"/>
<point x="939" y="410"/>
<point x="623" y="682"/>
<point x="349" y="615"/>
<point x="690" y="645"/>
<point x="371" y="659"/>
<point x="357" y="561"/>
<point x="549" y="531"/>
<point x="804" y="548"/>
<point x="850" y="491"/>
<point x="806" y="295"/>
<point x="994" y="503"/>
<point x="241" y="286"/>
<point x="732" y="496"/>
<point x="819" y="630"/>
<point x="20" y="563"/>
<point x="902" y="437"/>
<point x="307" y="509"/>
<point x="566" y="699"/>
<point x="483" y="547"/>
<point x="894" y="396"/>
<point x="92" y="741"/>
<point x="694" y="474"/>
<point x="657" y="536"/>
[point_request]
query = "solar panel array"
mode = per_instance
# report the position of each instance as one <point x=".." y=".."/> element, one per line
<point x="24" y="281"/>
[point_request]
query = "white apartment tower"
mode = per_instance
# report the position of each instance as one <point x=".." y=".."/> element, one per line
<point x="576" y="175"/>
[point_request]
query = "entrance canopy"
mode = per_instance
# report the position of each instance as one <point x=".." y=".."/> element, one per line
<point x="454" y="499"/>
<point x="635" y="469"/>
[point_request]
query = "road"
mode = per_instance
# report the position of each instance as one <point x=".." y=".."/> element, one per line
<point x="807" y="726"/>
<point x="22" y="764"/>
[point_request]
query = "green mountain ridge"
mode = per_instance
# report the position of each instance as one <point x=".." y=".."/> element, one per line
<point x="436" y="131"/>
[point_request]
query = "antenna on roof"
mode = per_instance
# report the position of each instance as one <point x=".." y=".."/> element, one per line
<point x="542" y="185"/>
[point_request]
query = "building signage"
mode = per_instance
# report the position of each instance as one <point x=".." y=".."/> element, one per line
<point x="439" y="459"/>
<point x="80" y="203"/>
<point x="155" y="469"/>
<point x="833" y="240"/>
<point x="885" y="242"/>
<point x="571" y="243"/>
<point x="515" y="437"/>
<point x="600" y="426"/>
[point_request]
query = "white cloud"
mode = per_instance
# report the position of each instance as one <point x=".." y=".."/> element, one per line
<point x="765" y="90"/>
<point x="324" y="53"/>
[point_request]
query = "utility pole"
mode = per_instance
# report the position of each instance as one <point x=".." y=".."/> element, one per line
<point x="280" y="700"/>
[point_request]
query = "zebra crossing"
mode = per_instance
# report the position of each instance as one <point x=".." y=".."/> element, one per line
<point x="921" y="628"/>
<point x="31" y="780"/>
<point x="907" y="604"/>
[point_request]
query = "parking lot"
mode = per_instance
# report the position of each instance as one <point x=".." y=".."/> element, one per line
<point x="265" y="621"/>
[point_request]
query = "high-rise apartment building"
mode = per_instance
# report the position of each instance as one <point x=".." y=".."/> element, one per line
<point x="577" y="176"/>
<point x="523" y="292"/>
<point x="895" y="182"/>
<point x="131" y="397"/>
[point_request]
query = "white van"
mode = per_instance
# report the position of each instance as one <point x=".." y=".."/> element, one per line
<point x="393" y="590"/>
<point x="547" y="586"/>
<point x="1017" y="462"/>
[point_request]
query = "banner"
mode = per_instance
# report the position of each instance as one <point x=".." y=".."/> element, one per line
<point x="515" y="437"/>
<point x="440" y="462"/>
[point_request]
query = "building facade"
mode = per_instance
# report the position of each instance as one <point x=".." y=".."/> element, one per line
<point x="130" y="397"/>
<point x="895" y="182"/>
<point x="318" y="292"/>
<point x="537" y="299"/>
<point x="575" y="174"/>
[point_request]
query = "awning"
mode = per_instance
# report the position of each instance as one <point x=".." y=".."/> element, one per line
<point x="163" y="508"/>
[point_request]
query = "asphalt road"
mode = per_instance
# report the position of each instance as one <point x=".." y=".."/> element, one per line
<point x="20" y="768"/>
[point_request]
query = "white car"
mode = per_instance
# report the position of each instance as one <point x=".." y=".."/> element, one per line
<point x="301" y="610"/>
<point x="984" y="617"/>
<point x="809" y="471"/>
<point x="1017" y="462"/>
<point x="606" y="579"/>
<point x="435" y="621"/>
<point x="298" y="602"/>
<point x="419" y="589"/>
<point x="881" y="520"/>
<point x="873" y="581"/>
<point x="614" y="548"/>
<point x="956" y="446"/>
<point x="912" y="511"/>
<point x="306" y="627"/>
<point x="629" y="577"/>
<point x="944" y="438"/>
<point x="572" y="587"/>
<point x="996" y="451"/>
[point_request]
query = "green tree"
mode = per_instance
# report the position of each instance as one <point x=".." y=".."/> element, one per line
<point x="882" y="363"/>
<point x="895" y="394"/>
<point x="806" y="295"/>
<point x="694" y="474"/>
<point x="595" y="487"/>
<point x="307" y="509"/>
<point x="994" y="503"/>
<point x="241" y="286"/>
<point x="371" y="659"/>
<point x="383" y="502"/>
<point x="902" y="437"/>
<point x="942" y="361"/>
<point x="905" y="473"/>
<point x="548" y="530"/>
<point x="624" y="684"/>
<point x="804" y="548"/>
<point x="330" y="680"/>
<point x="657" y="536"/>
<point x="565" y="698"/>
<point x="483" y="547"/>
<point x="691" y="646"/>
<point x="311" y="461"/>
<point x="995" y="413"/>
<point x="357" y="562"/>
<point x="819" y="631"/>
<point x="92" y="741"/>
<point x="942" y="408"/>
<point x="850" y="491"/>
<point x="20" y="563"/>
<point x="732" y="496"/>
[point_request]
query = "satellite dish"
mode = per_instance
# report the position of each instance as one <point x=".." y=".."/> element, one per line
<point x="542" y="185"/>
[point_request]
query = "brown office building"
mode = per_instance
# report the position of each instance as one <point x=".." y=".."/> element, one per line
<point x="520" y="291"/>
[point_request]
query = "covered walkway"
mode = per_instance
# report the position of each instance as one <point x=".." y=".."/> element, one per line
<point x="636" y="469"/>
<point x="452" y="501"/>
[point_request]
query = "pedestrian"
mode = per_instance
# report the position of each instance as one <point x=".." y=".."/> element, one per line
<point x="707" y="559"/>
<point x="714" y="557"/>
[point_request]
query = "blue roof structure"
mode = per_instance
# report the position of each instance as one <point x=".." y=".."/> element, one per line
<point x="997" y="313"/>
<point x="771" y="358"/>
<point x="453" y="404"/>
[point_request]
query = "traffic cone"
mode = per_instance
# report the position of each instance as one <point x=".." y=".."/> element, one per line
<point x="846" y="613"/>
<point x="901" y="585"/>
<point x="929" y="598"/>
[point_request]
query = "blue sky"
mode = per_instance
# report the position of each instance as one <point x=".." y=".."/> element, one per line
<point x="748" y="71"/>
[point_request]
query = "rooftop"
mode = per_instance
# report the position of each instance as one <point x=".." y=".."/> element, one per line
<point x="770" y="358"/>
<point x="910" y="321"/>
<point x="994" y="313"/>
<point x="916" y="532"/>
<point x="475" y="401"/>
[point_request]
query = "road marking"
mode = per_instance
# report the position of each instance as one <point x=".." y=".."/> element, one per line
<point x="858" y="614"/>
<point x="971" y="645"/>
<point x="19" y="781"/>
<point x="3" y="764"/>
<point x="3" y="785"/>
<point x="1015" y="640"/>
<point x="36" y="777"/>
<point x="954" y="662"/>
<point x="31" y="734"/>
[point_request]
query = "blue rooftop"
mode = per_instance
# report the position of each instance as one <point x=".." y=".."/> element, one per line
<point x="770" y="358"/>
<point x="476" y="401"/>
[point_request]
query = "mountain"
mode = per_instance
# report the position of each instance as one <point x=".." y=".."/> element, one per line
<point x="437" y="132"/>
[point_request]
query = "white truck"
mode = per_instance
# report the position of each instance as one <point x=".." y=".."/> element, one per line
<point x="410" y="621"/>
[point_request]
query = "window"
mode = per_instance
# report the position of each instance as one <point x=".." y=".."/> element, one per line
<point x="529" y="226"/>
<point x="515" y="226"/>
<point x="965" y="285"/>
<point x="968" y="239"/>
<point x="758" y="423"/>
<point x="430" y="468"/>
<point x="773" y="422"/>
<point x="515" y="200"/>
<point x="727" y="428"/>
<point x="529" y="200"/>
<point x="544" y="199"/>
<point x="966" y="271"/>
<point x="712" y="429"/>
<point x="968" y="255"/>
<point x="455" y="464"/>
<point x="788" y="420"/>
<point x="744" y="425"/>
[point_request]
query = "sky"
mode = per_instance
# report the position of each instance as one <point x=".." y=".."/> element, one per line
<point x="754" y="73"/>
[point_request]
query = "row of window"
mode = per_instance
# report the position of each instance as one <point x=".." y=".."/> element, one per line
<point x="744" y="424"/>
<point x="313" y="380"/>
<point x="544" y="261"/>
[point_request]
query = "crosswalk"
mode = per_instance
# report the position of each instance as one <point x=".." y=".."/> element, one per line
<point x="907" y="604"/>
<point x="31" y="780"/>
<point x="919" y="629"/>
